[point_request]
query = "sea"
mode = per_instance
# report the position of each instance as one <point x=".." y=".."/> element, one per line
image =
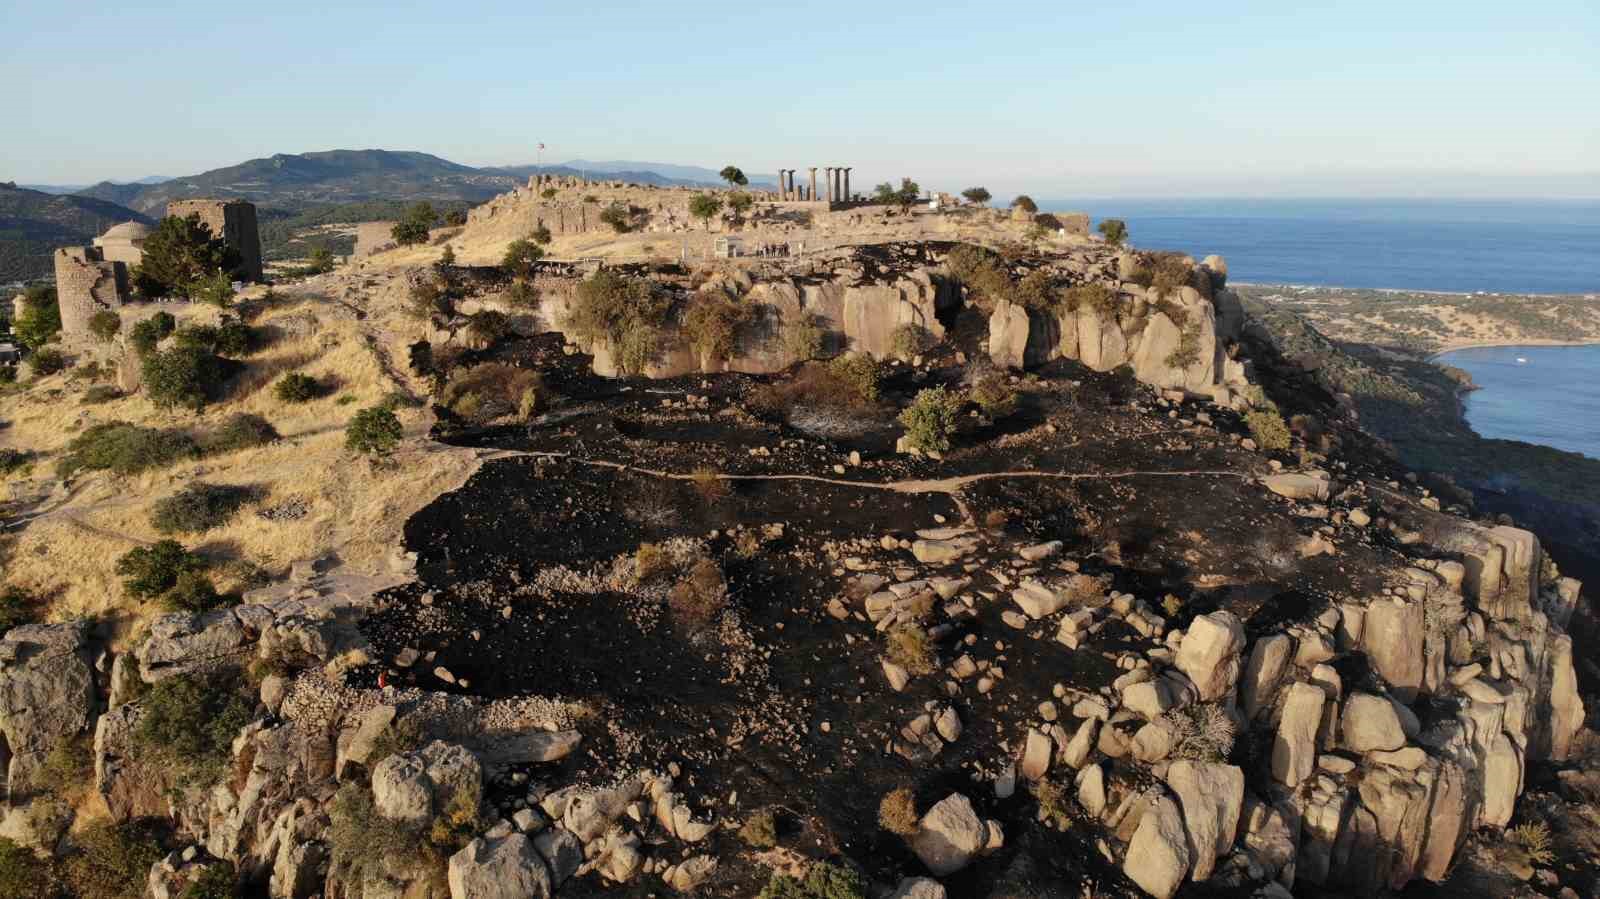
<point x="1495" y="246"/>
<point x="1551" y="397"/>
<point x="1546" y="394"/>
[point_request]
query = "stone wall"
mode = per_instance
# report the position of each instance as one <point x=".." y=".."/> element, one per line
<point x="85" y="284"/>
<point x="235" y="222"/>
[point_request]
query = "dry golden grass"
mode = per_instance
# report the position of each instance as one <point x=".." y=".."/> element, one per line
<point x="353" y="508"/>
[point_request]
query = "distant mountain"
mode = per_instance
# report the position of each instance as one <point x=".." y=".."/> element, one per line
<point x="34" y="223"/>
<point x="299" y="181"/>
<point x="692" y="175"/>
<point x="133" y="185"/>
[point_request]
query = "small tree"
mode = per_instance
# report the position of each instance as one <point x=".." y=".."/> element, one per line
<point x="712" y="323"/>
<point x="215" y="288"/>
<point x="740" y="202"/>
<point x="905" y="196"/>
<point x="179" y="254"/>
<point x="180" y="377"/>
<point x="455" y="218"/>
<point x="541" y="236"/>
<point x="296" y="387"/>
<point x="104" y="325"/>
<point x="374" y="431"/>
<point x="616" y="215"/>
<point x="320" y="261"/>
<point x="930" y="420"/>
<point x="413" y="226"/>
<point x="733" y="176"/>
<point x="40" y="321"/>
<point x="977" y="196"/>
<point x="1025" y="203"/>
<point x="1115" y="231"/>
<point x="448" y="257"/>
<point x="521" y="257"/>
<point x="144" y="335"/>
<point x="149" y="571"/>
<point x="704" y="207"/>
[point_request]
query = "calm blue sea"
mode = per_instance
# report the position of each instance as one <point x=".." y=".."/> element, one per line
<point x="1449" y="245"/>
<point x="1551" y="396"/>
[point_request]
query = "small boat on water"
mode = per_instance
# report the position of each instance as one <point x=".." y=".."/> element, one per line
<point x="1522" y="360"/>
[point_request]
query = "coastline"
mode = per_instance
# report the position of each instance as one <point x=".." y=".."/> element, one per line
<point x="1484" y="344"/>
<point x="1574" y="295"/>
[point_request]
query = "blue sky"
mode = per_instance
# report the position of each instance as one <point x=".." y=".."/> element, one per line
<point x="1401" y="97"/>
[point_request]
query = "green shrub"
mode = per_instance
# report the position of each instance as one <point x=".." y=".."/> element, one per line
<point x="540" y="235"/>
<point x="803" y="337"/>
<point x="189" y="721"/>
<point x="1025" y="203"/>
<point x="47" y="361"/>
<point x="215" y="289"/>
<point x="194" y="593"/>
<point x="184" y="376"/>
<point x="521" y="258"/>
<point x="40" y="321"/>
<point x="217" y="881"/>
<point x="240" y="431"/>
<point x="1187" y="352"/>
<point x="760" y="830"/>
<point x="1115" y="231"/>
<point x="295" y="387"/>
<point x="909" y="340"/>
<point x="105" y="324"/>
<point x="617" y="216"/>
<point x="100" y="393"/>
<point x="492" y="390"/>
<point x="374" y="431"/>
<point x="413" y="226"/>
<point x="124" y="448"/>
<point x="994" y="396"/>
<point x="198" y="508"/>
<point x="23" y="874"/>
<point x="1037" y="291"/>
<point x="859" y="372"/>
<point x="1267" y="429"/>
<point x="150" y="571"/>
<point x="365" y="841"/>
<point x="488" y="326"/>
<point x="522" y="295"/>
<point x="14" y="460"/>
<point x="824" y="880"/>
<point x="1097" y="297"/>
<point x="146" y="334"/>
<point x="625" y="313"/>
<point x="712" y="325"/>
<point x="930" y="420"/>
<point x="113" y="861"/>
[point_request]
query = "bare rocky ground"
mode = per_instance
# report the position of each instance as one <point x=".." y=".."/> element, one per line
<point x="1106" y="644"/>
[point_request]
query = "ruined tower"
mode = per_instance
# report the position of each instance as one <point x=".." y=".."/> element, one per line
<point x="86" y="283"/>
<point x="235" y="222"/>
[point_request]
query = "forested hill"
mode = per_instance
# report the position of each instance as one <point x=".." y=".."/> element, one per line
<point x="33" y="224"/>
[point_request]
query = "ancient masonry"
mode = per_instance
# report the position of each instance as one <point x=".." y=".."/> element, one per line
<point x="124" y="243"/>
<point x="235" y="222"/>
<point x="836" y="187"/>
<point x="86" y="283"/>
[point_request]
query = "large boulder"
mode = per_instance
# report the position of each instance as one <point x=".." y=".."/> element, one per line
<point x="46" y="695"/>
<point x="499" y="868"/>
<point x="1370" y="723"/>
<point x="1209" y="654"/>
<point x="1294" y="747"/>
<point x="1392" y="638"/>
<point x="1101" y="344"/>
<point x="182" y="642"/>
<point x="1261" y="675"/>
<point x="1211" y="796"/>
<point x="949" y="835"/>
<point x="1158" y="855"/>
<point x="411" y="787"/>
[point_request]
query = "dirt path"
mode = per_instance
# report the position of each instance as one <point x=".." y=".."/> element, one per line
<point x="950" y="485"/>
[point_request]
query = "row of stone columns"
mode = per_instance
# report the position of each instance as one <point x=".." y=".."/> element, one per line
<point x="837" y="180"/>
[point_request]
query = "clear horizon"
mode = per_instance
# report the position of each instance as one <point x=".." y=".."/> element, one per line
<point x="1427" y="99"/>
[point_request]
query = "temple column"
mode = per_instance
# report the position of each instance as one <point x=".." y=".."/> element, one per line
<point x="847" y="194"/>
<point x="780" y="185"/>
<point x="813" y="194"/>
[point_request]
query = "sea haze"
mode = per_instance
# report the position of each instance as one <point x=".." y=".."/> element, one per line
<point x="1447" y="245"/>
<point x="1553" y="397"/>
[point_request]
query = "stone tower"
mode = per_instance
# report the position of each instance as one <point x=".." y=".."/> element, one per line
<point x="235" y="222"/>
<point x="86" y="283"/>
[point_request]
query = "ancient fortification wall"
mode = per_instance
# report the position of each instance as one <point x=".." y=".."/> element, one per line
<point x="373" y="237"/>
<point x="235" y="222"/>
